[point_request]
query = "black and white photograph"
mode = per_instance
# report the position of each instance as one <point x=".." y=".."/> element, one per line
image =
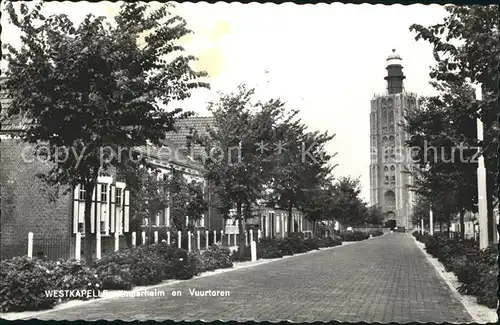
<point x="237" y="161"/>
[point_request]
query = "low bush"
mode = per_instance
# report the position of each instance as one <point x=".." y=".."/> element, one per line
<point x="238" y="256"/>
<point x="130" y="267"/>
<point x="475" y="269"/>
<point x="215" y="257"/>
<point x="177" y="262"/>
<point x="375" y="233"/>
<point x="73" y="275"/>
<point x="23" y="284"/>
<point x="354" y="236"/>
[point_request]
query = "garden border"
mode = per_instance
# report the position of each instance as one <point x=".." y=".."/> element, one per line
<point x="481" y="314"/>
<point x="115" y="294"/>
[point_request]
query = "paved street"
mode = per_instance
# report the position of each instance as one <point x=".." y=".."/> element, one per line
<point x="384" y="279"/>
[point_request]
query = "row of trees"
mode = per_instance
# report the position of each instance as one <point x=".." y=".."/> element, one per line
<point x="104" y="84"/>
<point x="466" y="46"/>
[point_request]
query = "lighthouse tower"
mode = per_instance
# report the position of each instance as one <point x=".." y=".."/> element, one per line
<point x="389" y="160"/>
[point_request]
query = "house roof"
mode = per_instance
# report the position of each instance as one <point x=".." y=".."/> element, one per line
<point x="184" y="128"/>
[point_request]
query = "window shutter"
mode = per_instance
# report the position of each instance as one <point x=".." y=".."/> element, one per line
<point x="97" y="208"/>
<point x="92" y="212"/>
<point x="76" y="205"/>
<point x="112" y="208"/>
<point x="126" y="211"/>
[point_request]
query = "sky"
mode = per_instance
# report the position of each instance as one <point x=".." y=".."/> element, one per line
<point x="326" y="60"/>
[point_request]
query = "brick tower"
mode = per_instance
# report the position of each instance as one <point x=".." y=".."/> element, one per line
<point x="389" y="160"/>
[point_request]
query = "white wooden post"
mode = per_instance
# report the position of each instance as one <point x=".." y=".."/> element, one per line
<point x="206" y="236"/>
<point x="253" y="251"/>
<point x="98" y="245"/>
<point x="134" y="239"/>
<point x="179" y="236"/>
<point x="155" y="234"/>
<point x="222" y="237"/>
<point x="259" y="234"/>
<point x="198" y="239"/>
<point x="117" y="242"/>
<point x="251" y="235"/>
<point x="215" y="236"/>
<point x="168" y="238"/>
<point x="235" y="240"/>
<point x="78" y="246"/>
<point x="422" y="224"/>
<point x="30" y="244"/>
<point x="431" y="223"/>
<point x="189" y="240"/>
<point x="228" y="239"/>
<point x="143" y="237"/>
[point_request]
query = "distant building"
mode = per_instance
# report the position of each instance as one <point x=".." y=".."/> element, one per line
<point x="389" y="159"/>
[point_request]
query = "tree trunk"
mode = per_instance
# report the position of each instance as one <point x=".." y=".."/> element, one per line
<point x="462" y="224"/>
<point x="241" y="228"/>
<point x="290" y="220"/>
<point x="89" y="236"/>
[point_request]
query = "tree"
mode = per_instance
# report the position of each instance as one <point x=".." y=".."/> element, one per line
<point x="374" y="215"/>
<point x="466" y="46"/>
<point x="347" y="206"/>
<point x="94" y="86"/>
<point x="234" y="163"/>
<point x="300" y="168"/>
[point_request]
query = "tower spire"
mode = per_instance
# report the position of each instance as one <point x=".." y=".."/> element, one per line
<point x="395" y="74"/>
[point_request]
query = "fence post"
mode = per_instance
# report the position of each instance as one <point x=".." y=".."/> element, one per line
<point x="235" y="239"/>
<point x="143" y="237"/>
<point x="206" y="241"/>
<point x="179" y="236"/>
<point x="253" y="251"/>
<point x="117" y="241"/>
<point x="189" y="240"/>
<point x="259" y="234"/>
<point x="228" y="239"/>
<point x="98" y="245"/>
<point x="134" y="239"/>
<point x="222" y="237"/>
<point x="168" y="238"/>
<point x="251" y="236"/>
<point x="198" y="239"/>
<point x="30" y="244"/>
<point x="156" y="236"/>
<point x="215" y="236"/>
<point x="78" y="246"/>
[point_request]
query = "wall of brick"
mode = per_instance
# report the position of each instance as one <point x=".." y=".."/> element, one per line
<point x="25" y="202"/>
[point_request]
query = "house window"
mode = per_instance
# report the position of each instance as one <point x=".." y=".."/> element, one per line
<point x="82" y="194"/>
<point x="104" y="192"/>
<point x="118" y="200"/>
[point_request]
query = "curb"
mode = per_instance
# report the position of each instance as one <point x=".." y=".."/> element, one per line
<point x="115" y="294"/>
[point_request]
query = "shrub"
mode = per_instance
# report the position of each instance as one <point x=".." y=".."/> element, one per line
<point x="215" y="257"/>
<point x="237" y="256"/>
<point x="178" y="263"/>
<point x="73" y="275"/>
<point x="475" y="269"/>
<point x="354" y="236"/>
<point x="130" y="267"/>
<point x="23" y="282"/>
<point x="375" y="233"/>
<point x="312" y="243"/>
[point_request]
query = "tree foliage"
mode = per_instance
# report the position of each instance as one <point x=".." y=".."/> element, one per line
<point x="466" y="46"/>
<point x="94" y="89"/>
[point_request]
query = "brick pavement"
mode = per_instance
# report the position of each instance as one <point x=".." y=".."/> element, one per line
<point x="384" y="279"/>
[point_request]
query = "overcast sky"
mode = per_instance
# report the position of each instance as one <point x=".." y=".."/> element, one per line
<point x="327" y="60"/>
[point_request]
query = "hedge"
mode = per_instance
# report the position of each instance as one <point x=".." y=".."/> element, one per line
<point x="476" y="269"/>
